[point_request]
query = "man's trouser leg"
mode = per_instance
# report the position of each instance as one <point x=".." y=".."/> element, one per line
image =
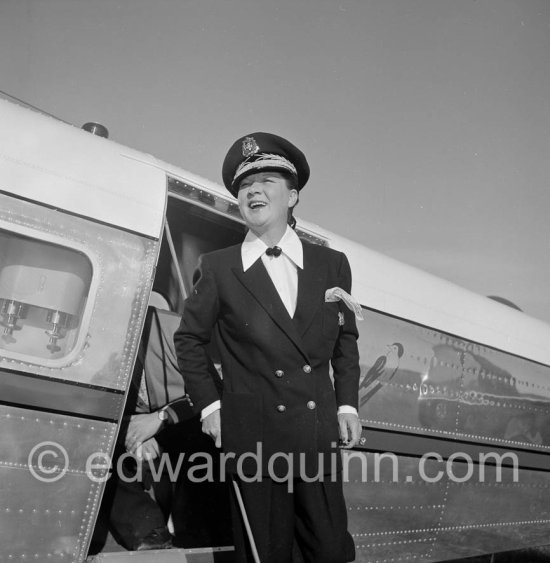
<point x="134" y="514"/>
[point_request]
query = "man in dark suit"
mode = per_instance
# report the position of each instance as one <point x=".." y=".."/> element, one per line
<point x="277" y="306"/>
<point x="156" y="403"/>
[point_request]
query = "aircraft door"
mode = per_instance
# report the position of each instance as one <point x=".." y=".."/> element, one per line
<point x="73" y="295"/>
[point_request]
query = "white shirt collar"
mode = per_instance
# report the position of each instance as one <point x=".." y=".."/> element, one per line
<point x="253" y="248"/>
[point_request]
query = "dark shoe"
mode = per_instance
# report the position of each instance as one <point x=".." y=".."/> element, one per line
<point x="159" y="538"/>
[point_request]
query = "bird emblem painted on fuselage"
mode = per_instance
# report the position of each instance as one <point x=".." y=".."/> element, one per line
<point x="382" y="371"/>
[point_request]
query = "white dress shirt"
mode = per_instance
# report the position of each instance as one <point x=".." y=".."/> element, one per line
<point x="283" y="271"/>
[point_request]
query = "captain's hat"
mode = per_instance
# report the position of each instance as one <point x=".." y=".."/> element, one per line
<point x="263" y="152"/>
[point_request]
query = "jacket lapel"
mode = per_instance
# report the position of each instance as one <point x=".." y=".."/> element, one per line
<point x="311" y="286"/>
<point x="256" y="280"/>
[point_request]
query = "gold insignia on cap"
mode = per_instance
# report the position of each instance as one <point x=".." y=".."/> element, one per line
<point x="250" y="147"/>
<point x="263" y="161"/>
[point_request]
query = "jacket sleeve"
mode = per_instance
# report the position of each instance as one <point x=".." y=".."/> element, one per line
<point x="345" y="356"/>
<point x="191" y="339"/>
<point x="179" y="410"/>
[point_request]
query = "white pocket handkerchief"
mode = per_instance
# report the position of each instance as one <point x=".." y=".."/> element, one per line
<point x="338" y="294"/>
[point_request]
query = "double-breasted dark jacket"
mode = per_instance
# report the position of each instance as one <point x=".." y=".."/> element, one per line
<point x="278" y="397"/>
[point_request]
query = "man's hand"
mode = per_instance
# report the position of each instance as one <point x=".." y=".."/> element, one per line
<point x="350" y="429"/>
<point x="150" y="449"/>
<point x="212" y="425"/>
<point x="140" y="428"/>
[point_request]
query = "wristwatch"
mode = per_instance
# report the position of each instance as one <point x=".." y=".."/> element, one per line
<point x="163" y="416"/>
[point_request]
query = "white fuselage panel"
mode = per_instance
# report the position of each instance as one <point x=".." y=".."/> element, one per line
<point x="62" y="166"/>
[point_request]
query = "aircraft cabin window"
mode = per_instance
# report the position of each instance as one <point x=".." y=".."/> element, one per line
<point x="43" y="292"/>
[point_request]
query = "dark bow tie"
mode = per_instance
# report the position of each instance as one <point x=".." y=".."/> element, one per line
<point x="274" y="251"/>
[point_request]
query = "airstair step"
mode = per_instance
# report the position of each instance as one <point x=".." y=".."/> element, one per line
<point x="199" y="555"/>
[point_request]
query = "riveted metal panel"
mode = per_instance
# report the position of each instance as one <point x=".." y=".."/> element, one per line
<point x="489" y="512"/>
<point x="390" y="507"/>
<point x="50" y="483"/>
<point x="481" y="413"/>
<point x="438" y="510"/>
<point x="52" y="403"/>
<point x="418" y="380"/>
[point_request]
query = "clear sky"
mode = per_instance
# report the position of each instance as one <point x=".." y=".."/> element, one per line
<point x="426" y="122"/>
